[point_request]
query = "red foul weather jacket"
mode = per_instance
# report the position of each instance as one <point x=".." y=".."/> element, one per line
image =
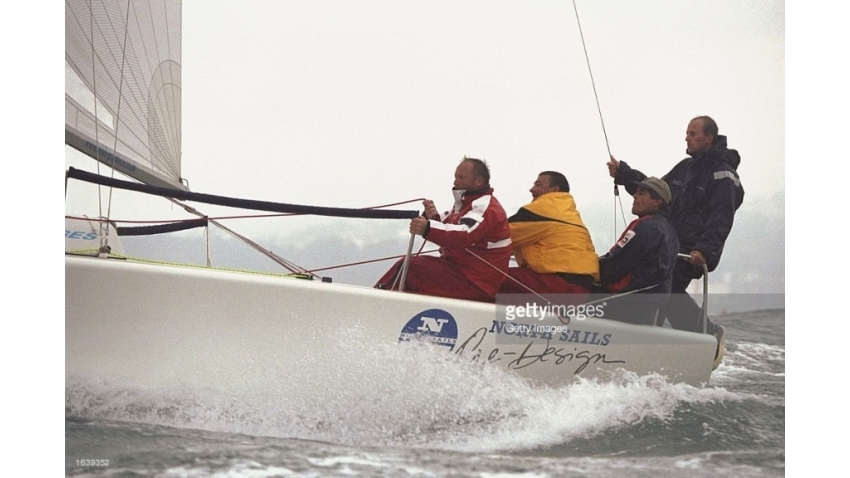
<point x="476" y="226"/>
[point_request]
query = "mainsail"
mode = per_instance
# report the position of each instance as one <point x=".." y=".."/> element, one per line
<point x="123" y="87"/>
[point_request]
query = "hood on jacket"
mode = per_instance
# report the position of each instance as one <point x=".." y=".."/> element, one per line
<point x="723" y="153"/>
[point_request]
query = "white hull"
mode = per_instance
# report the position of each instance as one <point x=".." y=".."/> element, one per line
<point x="168" y="325"/>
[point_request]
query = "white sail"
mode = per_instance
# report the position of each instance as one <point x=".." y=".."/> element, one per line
<point x="123" y="85"/>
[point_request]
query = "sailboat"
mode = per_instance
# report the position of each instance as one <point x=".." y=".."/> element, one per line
<point x="167" y="325"/>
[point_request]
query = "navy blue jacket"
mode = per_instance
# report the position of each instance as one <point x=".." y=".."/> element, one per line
<point x="645" y="255"/>
<point x="706" y="193"/>
<point x="643" y="258"/>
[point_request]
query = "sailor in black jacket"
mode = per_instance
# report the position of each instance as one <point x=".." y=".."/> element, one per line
<point x="643" y="258"/>
<point x="706" y="193"/>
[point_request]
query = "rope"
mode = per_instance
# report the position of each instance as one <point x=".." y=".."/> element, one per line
<point x="518" y="282"/>
<point x="619" y="200"/>
<point x="592" y="82"/>
<point x="606" y="298"/>
<point x="360" y="263"/>
<point x="601" y="120"/>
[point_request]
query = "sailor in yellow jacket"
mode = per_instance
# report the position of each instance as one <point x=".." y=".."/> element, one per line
<point x="552" y="246"/>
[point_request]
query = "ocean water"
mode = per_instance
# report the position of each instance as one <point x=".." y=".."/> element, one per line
<point x="413" y="410"/>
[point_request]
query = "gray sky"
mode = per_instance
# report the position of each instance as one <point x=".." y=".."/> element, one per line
<point x="362" y="103"/>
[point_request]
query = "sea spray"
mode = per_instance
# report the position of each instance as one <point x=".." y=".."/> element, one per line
<point x="399" y="395"/>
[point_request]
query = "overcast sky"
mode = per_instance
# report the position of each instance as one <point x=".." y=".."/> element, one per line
<point x="361" y="103"/>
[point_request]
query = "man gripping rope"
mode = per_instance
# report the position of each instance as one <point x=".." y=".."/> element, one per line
<point x="706" y="194"/>
<point x="474" y="239"/>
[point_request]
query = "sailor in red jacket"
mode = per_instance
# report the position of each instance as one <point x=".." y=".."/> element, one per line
<point x="474" y="239"/>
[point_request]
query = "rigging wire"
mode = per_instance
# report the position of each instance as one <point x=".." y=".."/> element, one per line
<point x="94" y="99"/>
<point x="508" y="276"/>
<point x="370" y="261"/>
<point x="601" y="120"/>
<point x="104" y="226"/>
<point x="592" y="81"/>
<point x="118" y="110"/>
<point x="615" y="296"/>
<point x="290" y="266"/>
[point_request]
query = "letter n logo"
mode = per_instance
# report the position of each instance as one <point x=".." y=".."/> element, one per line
<point x="433" y="325"/>
<point x="430" y="324"/>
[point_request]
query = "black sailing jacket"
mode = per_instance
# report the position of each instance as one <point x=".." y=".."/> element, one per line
<point x="644" y="256"/>
<point x="706" y="193"/>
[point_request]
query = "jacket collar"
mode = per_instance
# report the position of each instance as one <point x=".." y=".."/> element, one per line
<point x="720" y="151"/>
<point x="463" y="195"/>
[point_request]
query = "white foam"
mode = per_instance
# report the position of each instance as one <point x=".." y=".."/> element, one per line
<point x="401" y="395"/>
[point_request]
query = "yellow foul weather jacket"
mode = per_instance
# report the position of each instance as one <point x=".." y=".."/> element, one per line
<point x="548" y="236"/>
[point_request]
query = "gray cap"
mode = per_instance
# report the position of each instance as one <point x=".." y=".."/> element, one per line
<point x="658" y="186"/>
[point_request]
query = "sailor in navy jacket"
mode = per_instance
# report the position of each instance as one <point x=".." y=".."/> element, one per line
<point x="706" y="194"/>
<point x="643" y="258"/>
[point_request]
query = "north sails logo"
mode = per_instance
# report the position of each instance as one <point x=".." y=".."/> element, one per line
<point x="433" y="325"/>
<point x="430" y="324"/>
